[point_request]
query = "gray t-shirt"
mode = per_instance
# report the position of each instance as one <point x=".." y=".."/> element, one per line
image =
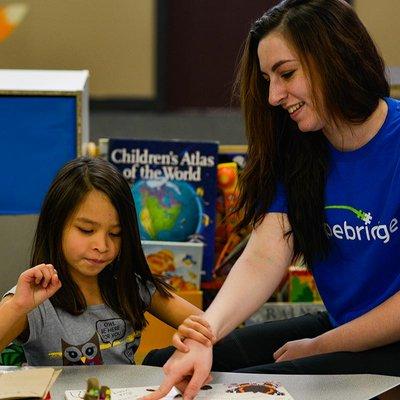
<point x="97" y="336"/>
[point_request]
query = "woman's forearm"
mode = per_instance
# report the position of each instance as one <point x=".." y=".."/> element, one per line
<point x="378" y="327"/>
<point x="238" y="298"/>
<point x="254" y="277"/>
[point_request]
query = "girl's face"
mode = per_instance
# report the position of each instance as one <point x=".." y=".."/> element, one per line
<point x="288" y="84"/>
<point x="91" y="237"/>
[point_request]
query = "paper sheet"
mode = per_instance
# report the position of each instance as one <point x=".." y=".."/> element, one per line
<point x="249" y="390"/>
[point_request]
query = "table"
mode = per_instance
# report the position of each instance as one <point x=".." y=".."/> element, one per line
<point x="301" y="387"/>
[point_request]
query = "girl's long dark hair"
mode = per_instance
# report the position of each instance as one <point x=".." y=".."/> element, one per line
<point x="118" y="281"/>
<point x="346" y="71"/>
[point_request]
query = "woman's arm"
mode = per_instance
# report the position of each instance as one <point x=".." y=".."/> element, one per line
<point x="378" y="327"/>
<point x="254" y="277"/>
<point x="252" y="280"/>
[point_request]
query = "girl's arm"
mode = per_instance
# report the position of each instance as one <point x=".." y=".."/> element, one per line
<point x="12" y="321"/>
<point x="34" y="286"/>
<point x="172" y="310"/>
<point x="179" y="313"/>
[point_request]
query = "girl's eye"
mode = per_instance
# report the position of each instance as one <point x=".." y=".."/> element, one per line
<point x="287" y="75"/>
<point x="115" y="234"/>
<point x="86" y="231"/>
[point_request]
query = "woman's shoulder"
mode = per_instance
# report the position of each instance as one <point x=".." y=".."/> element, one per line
<point x="393" y="115"/>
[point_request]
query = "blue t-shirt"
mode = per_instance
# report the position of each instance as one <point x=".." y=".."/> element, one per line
<point x="362" y="211"/>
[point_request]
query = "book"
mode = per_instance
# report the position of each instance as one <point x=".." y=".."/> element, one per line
<point x="282" y="310"/>
<point x="218" y="391"/>
<point x="228" y="241"/>
<point x="302" y="286"/>
<point x="174" y="187"/>
<point x="179" y="263"/>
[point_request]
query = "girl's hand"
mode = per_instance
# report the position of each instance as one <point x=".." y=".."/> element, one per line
<point x="298" y="349"/>
<point x="196" y="328"/>
<point x="36" y="285"/>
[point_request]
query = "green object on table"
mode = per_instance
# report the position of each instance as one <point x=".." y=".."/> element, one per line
<point x="13" y="354"/>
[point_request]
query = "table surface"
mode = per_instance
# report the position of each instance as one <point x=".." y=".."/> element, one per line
<point x="301" y="387"/>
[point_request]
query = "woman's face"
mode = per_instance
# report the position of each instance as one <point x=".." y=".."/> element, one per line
<point x="288" y="84"/>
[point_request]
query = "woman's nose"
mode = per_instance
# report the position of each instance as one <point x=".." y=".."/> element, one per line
<point x="277" y="93"/>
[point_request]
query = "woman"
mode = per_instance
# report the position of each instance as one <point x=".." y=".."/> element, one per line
<point x="322" y="182"/>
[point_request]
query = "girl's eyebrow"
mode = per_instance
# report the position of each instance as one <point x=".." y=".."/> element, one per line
<point x="89" y="221"/>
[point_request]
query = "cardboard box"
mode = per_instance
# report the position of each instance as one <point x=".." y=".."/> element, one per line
<point x="178" y="262"/>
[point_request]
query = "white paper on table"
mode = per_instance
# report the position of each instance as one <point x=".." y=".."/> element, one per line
<point x="219" y="391"/>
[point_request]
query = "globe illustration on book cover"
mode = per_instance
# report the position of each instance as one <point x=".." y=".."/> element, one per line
<point x="167" y="210"/>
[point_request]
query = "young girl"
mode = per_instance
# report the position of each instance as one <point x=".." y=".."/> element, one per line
<point x="84" y="300"/>
<point x="322" y="182"/>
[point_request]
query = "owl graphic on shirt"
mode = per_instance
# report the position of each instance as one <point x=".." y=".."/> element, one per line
<point x="82" y="354"/>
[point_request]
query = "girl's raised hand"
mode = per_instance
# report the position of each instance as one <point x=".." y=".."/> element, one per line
<point x="194" y="327"/>
<point x="36" y="285"/>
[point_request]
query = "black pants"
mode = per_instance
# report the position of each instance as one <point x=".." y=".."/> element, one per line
<point x="250" y="350"/>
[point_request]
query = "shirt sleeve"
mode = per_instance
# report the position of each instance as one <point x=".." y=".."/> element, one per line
<point x="279" y="204"/>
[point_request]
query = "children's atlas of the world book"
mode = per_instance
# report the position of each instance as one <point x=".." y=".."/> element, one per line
<point x="219" y="391"/>
<point x="173" y="183"/>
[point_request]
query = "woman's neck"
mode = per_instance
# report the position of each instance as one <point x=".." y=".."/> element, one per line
<point x="349" y="137"/>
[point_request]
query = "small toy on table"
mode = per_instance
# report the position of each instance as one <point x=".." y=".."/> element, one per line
<point x="93" y="389"/>
<point x="95" y="392"/>
<point x="105" y="393"/>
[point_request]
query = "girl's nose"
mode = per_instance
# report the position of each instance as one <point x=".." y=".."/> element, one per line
<point x="101" y="243"/>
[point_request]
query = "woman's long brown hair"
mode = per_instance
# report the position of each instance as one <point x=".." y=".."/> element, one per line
<point x="346" y="73"/>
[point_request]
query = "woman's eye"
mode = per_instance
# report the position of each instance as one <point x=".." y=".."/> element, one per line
<point x="287" y="75"/>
